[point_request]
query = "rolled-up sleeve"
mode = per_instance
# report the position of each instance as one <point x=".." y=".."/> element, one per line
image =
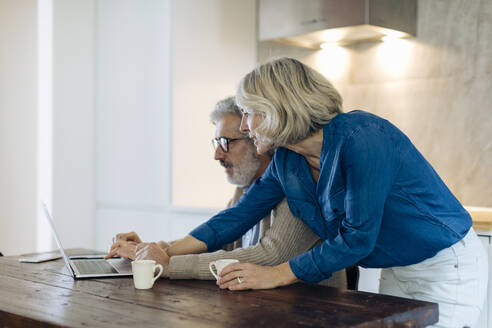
<point x="230" y="224"/>
<point x="369" y="159"/>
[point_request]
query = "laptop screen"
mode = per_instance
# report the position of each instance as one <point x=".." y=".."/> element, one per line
<point x="58" y="242"/>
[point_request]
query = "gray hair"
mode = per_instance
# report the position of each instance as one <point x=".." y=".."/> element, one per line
<point x="295" y="99"/>
<point x="223" y="107"/>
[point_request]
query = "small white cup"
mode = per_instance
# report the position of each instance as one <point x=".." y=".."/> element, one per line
<point x="144" y="273"/>
<point x="219" y="265"/>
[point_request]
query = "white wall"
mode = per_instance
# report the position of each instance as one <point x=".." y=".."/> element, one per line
<point x="74" y="122"/>
<point x="133" y="65"/>
<point x="18" y="121"/>
<point x="46" y="123"/>
<point x="160" y="70"/>
<point x="44" y="238"/>
<point x="106" y="155"/>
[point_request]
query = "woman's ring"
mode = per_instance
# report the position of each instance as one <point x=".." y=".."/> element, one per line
<point x="239" y="280"/>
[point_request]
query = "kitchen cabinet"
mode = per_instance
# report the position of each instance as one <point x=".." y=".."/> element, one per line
<point x="308" y="23"/>
<point x="369" y="280"/>
<point x="486" y="317"/>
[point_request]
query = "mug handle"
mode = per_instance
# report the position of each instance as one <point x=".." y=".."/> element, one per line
<point x="161" y="269"/>
<point x="210" y="265"/>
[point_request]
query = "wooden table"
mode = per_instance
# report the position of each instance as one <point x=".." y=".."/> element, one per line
<point x="45" y="295"/>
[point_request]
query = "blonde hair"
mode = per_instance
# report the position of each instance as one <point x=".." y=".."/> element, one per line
<point x="295" y="99"/>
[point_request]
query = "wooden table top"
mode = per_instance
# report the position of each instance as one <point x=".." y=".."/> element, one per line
<point x="45" y="295"/>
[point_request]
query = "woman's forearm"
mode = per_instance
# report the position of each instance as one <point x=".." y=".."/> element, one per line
<point x="187" y="245"/>
<point x="285" y="275"/>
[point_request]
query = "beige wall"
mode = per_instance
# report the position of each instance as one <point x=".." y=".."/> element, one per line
<point x="211" y="52"/>
<point x="18" y="124"/>
<point x="436" y="87"/>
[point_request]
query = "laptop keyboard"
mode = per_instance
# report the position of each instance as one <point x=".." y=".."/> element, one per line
<point x="93" y="267"/>
<point x="121" y="265"/>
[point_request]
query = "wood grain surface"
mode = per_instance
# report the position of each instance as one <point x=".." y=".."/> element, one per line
<point x="45" y="295"/>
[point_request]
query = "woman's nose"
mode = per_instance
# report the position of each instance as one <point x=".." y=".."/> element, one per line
<point x="244" y="126"/>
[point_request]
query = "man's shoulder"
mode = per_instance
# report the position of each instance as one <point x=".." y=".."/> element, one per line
<point x="237" y="194"/>
<point x="283" y="204"/>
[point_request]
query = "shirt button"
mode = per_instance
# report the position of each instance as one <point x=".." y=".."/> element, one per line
<point x="335" y="210"/>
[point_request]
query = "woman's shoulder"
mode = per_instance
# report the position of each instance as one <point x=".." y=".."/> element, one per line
<point x="345" y="124"/>
<point x="356" y="118"/>
<point x="285" y="160"/>
<point x="281" y="154"/>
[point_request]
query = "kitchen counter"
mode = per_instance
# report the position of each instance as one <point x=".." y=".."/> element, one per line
<point x="482" y="219"/>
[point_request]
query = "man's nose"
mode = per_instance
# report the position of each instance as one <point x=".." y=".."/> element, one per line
<point x="244" y="126"/>
<point x="219" y="154"/>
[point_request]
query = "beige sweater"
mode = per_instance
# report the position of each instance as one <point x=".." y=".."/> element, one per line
<point x="282" y="237"/>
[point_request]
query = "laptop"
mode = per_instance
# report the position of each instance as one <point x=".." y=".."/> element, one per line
<point x="89" y="267"/>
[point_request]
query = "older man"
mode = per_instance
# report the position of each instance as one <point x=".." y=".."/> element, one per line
<point x="277" y="238"/>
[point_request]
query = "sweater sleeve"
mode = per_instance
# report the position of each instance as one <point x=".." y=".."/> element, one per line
<point x="287" y="238"/>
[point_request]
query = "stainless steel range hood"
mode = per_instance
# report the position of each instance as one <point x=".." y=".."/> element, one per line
<point x="312" y="23"/>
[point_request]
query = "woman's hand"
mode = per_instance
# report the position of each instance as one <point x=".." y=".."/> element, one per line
<point x="124" y="249"/>
<point x="152" y="251"/>
<point x="252" y="276"/>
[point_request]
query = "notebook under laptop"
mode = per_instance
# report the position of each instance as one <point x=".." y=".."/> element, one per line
<point x="89" y="268"/>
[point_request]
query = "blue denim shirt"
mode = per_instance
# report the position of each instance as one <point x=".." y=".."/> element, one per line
<point x="377" y="203"/>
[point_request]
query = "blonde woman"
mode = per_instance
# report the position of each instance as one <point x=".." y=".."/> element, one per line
<point x="361" y="185"/>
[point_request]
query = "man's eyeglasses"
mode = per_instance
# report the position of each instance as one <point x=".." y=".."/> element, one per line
<point x="224" y="142"/>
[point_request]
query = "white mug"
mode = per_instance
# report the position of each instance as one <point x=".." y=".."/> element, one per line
<point x="219" y="265"/>
<point x="144" y="273"/>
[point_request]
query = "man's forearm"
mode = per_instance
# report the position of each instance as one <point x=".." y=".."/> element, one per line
<point x="187" y="245"/>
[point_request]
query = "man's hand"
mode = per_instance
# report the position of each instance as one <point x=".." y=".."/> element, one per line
<point x="124" y="249"/>
<point x="252" y="276"/>
<point x="129" y="236"/>
<point x="152" y="251"/>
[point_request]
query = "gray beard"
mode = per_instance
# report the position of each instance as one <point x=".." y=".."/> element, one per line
<point x="243" y="173"/>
